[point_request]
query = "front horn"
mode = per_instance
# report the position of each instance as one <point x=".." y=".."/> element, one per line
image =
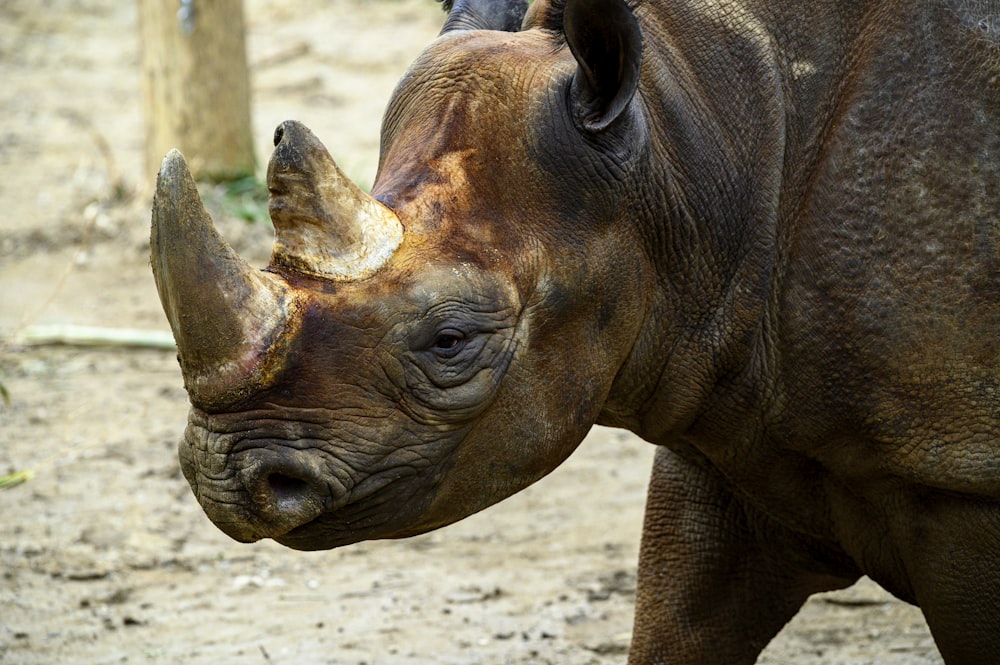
<point x="324" y="225"/>
<point x="225" y="315"/>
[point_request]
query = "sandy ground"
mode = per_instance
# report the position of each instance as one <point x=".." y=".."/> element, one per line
<point x="105" y="555"/>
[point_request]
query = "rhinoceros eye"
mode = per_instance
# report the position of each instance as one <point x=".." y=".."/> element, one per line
<point x="448" y="343"/>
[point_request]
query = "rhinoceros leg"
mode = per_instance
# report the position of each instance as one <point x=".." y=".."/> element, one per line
<point x="716" y="581"/>
<point x="950" y="544"/>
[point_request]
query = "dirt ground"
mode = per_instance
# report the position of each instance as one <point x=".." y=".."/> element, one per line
<point x="105" y="555"/>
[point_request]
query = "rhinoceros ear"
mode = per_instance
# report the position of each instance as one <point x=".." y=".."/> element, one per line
<point x="606" y="41"/>
<point x="505" y="15"/>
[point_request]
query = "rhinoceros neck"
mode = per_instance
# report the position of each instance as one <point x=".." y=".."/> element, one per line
<point x="708" y="214"/>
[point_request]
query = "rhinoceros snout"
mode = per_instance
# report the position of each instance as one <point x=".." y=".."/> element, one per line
<point x="258" y="493"/>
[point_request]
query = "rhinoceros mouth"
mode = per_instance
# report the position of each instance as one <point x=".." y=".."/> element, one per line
<point x="304" y="523"/>
<point x="381" y="508"/>
<point x="331" y="531"/>
<point x="292" y="495"/>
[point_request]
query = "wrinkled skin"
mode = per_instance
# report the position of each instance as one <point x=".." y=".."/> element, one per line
<point x="761" y="235"/>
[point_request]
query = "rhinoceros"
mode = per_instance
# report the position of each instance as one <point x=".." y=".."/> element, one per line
<point x="763" y="235"/>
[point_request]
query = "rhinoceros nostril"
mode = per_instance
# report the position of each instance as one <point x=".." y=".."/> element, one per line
<point x="286" y="489"/>
<point x="279" y="133"/>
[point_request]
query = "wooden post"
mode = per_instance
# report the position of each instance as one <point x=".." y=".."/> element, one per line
<point x="196" y="86"/>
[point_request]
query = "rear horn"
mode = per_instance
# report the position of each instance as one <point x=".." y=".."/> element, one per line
<point x="324" y="225"/>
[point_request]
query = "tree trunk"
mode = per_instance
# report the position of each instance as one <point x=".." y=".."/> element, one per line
<point x="196" y="87"/>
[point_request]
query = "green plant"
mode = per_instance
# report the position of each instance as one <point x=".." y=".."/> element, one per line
<point x="16" y="478"/>
<point x="246" y="199"/>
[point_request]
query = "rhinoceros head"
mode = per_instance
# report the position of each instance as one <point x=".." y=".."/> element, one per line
<point x="412" y="356"/>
